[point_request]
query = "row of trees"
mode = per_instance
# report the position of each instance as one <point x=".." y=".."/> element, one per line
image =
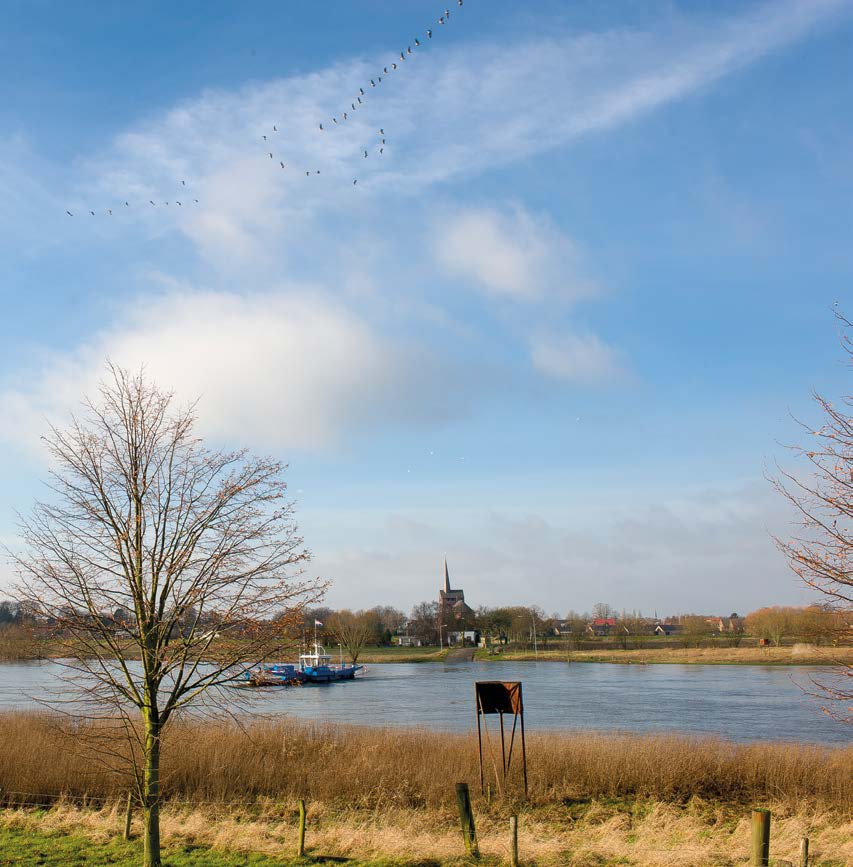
<point x="380" y="626"/>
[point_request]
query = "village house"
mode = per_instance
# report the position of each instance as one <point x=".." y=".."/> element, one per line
<point x="601" y="626"/>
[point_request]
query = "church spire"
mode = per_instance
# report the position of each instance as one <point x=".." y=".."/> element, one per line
<point x="446" y="577"/>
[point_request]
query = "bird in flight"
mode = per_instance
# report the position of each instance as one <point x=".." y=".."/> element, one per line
<point x="92" y="213"/>
<point x="417" y="42"/>
<point x="281" y="164"/>
<point x="69" y="213"/>
<point x="176" y="202"/>
<point x="274" y="128"/>
<point x="321" y="127"/>
<point x="365" y="154"/>
<point x="183" y="183"/>
<point x="353" y="183"/>
<point x="429" y="34"/>
<point x="151" y="203"/>
<point x="270" y="156"/>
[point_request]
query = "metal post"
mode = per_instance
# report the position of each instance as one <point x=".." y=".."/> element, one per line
<point x="523" y="753"/>
<point x="513" y="841"/>
<point x="760" y="838"/>
<point x="804" y="852"/>
<point x="503" y="749"/>
<point x="479" y="738"/>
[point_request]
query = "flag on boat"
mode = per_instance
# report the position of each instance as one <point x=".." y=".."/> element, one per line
<point x="317" y="623"/>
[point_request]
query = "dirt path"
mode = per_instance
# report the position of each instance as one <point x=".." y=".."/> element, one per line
<point x="463" y="654"/>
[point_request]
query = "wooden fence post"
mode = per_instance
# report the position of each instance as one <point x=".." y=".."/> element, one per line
<point x="760" y="838"/>
<point x="466" y="817"/>
<point x="300" y="848"/>
<point x="513" y="841"/>
<point x="128" y="815"/>
<point x="804" y="852"/>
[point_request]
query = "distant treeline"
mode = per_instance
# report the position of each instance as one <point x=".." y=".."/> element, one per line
<point x="385" y="625"/>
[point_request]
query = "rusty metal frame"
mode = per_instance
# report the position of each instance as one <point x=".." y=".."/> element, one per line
<point x="500" y="697"/>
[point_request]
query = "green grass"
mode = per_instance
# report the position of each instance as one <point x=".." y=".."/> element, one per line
<point x="25" y="848"/>
<point x="401" y="654"/>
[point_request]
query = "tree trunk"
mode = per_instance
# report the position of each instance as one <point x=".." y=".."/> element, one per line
<point x="151" y="786"/>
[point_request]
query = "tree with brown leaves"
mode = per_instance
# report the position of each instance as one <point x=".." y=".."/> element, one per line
<point x="160" y="563"/>
<point x="821" y="552"/>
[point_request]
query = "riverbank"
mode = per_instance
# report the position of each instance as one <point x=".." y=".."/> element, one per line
<point x="387" y="797"/>
<point x="798" y="654"/>
<point x="25" y="649"/>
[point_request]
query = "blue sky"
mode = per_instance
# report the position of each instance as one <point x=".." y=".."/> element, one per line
<point x="554" y="332"/>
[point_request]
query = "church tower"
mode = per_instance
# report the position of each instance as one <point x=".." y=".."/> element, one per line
<point x="451" y="603"/>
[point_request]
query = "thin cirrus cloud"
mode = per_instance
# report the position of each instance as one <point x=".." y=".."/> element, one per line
<point x="451" y="112"/>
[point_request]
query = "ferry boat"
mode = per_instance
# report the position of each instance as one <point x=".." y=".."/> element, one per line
<point x="316" y="668"/>
<point x="313" y="667"/>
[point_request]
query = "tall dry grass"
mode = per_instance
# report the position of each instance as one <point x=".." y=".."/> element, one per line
<point x="379" y="769"/>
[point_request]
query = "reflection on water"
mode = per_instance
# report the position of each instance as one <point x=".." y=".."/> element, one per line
<point x="738" y="702"/>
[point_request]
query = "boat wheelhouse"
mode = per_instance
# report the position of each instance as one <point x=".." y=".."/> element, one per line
<point x="316" y="667"/>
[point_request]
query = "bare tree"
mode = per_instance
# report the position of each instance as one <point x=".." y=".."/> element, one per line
<point x="196" y="549"/>
<point x="423" y="622"/>
<point x="821" y="552"/>
<point x="352" y="630"/>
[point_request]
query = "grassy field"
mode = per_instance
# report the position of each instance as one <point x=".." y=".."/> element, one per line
<point x="596" y="834"/>
<point x="387" y="796"/>
<point x="17" y="645"/>
<point x="402" y="654"/>
<point x="798" y="654"/>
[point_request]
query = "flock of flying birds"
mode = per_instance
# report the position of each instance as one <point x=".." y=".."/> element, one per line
<point x="336" y="121"/>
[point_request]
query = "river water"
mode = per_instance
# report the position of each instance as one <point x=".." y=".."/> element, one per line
<point x="742" y="703"/>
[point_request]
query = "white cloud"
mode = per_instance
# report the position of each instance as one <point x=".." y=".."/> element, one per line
<point x="510" y="253"/>
<point x="447" y="113"/>
<point x="578" y="358"/>
<point x="289" y="369"/>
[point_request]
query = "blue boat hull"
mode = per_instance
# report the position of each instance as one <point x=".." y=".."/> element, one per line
<point x="326" y="674"/>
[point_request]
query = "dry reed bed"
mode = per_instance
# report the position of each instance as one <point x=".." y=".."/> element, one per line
<point x="378" y="769"/>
